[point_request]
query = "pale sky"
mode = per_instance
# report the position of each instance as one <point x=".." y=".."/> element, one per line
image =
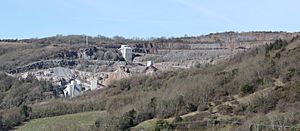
<point x="144" y="18"/>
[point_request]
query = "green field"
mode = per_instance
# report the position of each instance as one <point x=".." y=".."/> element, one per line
<point x="79" y="121"/>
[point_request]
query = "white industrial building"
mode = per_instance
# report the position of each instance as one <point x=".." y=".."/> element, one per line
<point x="73" y="89"/>
<point x="149" y="63"/>
<point x="94" y="84"/>
<point x="126" y="52"/>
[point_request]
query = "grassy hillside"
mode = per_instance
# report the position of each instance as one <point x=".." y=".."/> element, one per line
<point x="74" y="122"/>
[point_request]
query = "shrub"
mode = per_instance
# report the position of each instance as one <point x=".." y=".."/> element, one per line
<point x="189" y="107"/>
<point x="228" y="76"/>
<point x="26" y="111"/>
<point x="127" y="120"/>
<point x="290" y="74"/>
<point x="124" y="84"/>
<point x="263" y="103"/>
<point x="162" y="124"/>
<point x="278" y="44"/>
<point x="247" y="88"/>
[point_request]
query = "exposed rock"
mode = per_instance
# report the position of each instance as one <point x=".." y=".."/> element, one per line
<point x="120" y="73"/>
<point x="67" y="55"/>
<point x="62" y="72"/>
<point x="88" y="53"/>
<point x="45" y="65"/>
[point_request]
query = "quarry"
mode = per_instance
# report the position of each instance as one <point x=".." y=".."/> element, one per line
<point x="82" y="69"/>
<point x="152" y="65"/>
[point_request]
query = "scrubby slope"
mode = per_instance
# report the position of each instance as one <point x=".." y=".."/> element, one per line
<point x="262" y="82"/>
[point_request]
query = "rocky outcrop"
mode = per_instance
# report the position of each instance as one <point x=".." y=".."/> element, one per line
<point x="226" y="40"/>
<point x="45" y="65"/>
<point x="84" y="53"/>
<point x="88" y="53"/>
<point x="91" y="53"/>
<point x="67" y="54"/>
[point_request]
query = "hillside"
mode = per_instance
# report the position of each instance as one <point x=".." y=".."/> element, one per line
<point x="259" y="88"/>
<point x="99" y="59"/>
<point x="253" y="86"/>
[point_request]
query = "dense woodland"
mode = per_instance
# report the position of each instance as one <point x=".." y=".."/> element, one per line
<point x="271" y="73"/>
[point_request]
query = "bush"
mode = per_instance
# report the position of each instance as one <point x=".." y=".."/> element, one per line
<point x="127" y="120"/>
<point x="189" y="107"/>
<point x="290" y="74"/>
<point x="143" y="116"/>
<point x="162" y="124"/>
<point x="278" y="44"/>
<point x="247" y="88"/>
<point x="125" y="85"/>
<point x="26" y="111"/>
<point x="263" y="103"/>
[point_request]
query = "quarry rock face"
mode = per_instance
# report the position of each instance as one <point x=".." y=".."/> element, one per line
<point x="88" y="53"/>
<point x="68" y="54"/>
<point x="83" y="53"/>
<point x="229" y="40"/>
<point x="44" y="65"/>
